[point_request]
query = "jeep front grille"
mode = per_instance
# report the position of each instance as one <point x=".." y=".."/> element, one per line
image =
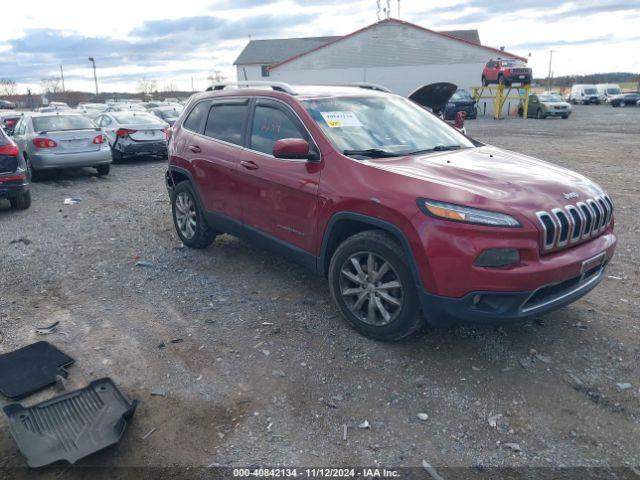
<point x="570" y="224"/>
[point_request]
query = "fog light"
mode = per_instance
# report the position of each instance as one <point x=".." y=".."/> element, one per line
<point x="497" y="257"/>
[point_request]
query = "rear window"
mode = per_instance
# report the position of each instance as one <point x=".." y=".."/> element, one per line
<point x="225" y="122"/>
<point x="57" y="123"/>
<point x="195" y="120"/>
<point x="130" y="118"/>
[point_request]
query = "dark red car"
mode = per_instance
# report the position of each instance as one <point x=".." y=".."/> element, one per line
<point x="399" y="210"/>
<point x="13" y="174"/>
<point x="506" y="72"/>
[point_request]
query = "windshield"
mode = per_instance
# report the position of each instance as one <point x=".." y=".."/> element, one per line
<point x="512" y="63"/>
<point x="461" y="95"/>
<point x="550" y="97"/>
<point x="62" y="122"/>
<point x="169" y="113"/>
<point x="590" y="91"/>
<point x="613" y="91"/>
<point x="388" y="123"/>
<point x="130" y="119"/>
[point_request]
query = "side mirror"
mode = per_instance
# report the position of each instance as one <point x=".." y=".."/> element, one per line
<point x="292" y="148"/>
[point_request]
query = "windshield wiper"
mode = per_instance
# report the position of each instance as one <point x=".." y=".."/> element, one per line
<point x="371" y="152"/>
<point x="437" y="148"/>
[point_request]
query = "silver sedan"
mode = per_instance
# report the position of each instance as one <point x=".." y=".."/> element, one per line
<point x="134" y="133"/>
<point x="61" y="140"/>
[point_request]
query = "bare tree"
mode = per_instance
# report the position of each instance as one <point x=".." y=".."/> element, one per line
<point x="50" y="85"/>
<point x="216" y="77"/>
<point x="170" y="87"/>
<point x="147" y="87"/>
<point x="8" y="87"/>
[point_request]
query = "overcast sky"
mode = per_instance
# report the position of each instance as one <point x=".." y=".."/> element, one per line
<point x="173" y="42"/>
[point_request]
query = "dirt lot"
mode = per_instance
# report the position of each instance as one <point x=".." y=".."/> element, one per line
<point x="267" y="374"/>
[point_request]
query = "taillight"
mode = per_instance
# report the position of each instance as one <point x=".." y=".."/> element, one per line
<point x="123" y="132"/>
<point x="44" y="143"/>
<point x="99" y="140"/>
<point x="9" y="150"/>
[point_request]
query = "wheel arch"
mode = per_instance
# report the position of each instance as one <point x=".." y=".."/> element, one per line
<point x="175" y="175"/>
<point x="345" y="224"/>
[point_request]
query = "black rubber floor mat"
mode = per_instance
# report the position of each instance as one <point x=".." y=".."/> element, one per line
<point x="71" y="426"/>
<point x="31" y="368"/>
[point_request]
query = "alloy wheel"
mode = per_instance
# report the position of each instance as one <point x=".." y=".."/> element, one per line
<point x="371" y="288"/>
<point x="186" y="216"/>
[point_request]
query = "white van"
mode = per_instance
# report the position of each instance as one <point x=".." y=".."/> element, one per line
<point x="583" y="93"/>
<point x="607" y="90"/>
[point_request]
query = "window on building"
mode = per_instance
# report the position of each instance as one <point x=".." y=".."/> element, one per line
<point x="265" y="70"/>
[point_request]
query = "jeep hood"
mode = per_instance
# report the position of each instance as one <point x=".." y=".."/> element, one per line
<point x="435" y="95"/>
<point x="501" y="179"/>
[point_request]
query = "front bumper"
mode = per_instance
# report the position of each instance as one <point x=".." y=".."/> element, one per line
<point x="45" y="161"/>
<point x="507" y="307"/>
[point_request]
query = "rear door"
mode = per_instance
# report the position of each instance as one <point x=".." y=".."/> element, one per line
<point x="215" y="150"/>
<point x="279" y="196"/>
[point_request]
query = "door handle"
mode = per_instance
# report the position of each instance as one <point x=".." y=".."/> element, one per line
<point x="194" y="148"/>
<point x="249" y="165"/>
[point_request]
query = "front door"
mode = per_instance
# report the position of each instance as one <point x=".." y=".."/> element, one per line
<point x="279" y="196"/>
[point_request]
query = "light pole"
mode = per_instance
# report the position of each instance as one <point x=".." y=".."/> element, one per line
<point x="95" y="76"/>
<point x="549" y="81"/>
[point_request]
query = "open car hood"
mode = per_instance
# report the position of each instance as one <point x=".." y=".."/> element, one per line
<point x="435" y="95"/>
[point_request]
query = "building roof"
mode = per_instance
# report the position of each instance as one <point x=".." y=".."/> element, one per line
<point x="408" y="24"/>
<point x="467" y="35"/>
<point x="277" y="50"/>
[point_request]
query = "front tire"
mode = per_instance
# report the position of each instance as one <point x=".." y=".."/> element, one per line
<point x="539" y="114"/>
<point x="372" y="286"/>
<point x="485" y="83"/>
<point x="21" y="202"/>
<point x="188" y="218"/>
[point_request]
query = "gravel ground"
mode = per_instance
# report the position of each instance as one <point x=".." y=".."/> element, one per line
<point x="266" y="373"/>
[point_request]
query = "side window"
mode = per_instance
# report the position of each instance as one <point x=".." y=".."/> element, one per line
<point x="106" y="121"/>
<point x="269" y="125"/>
<point x="22" y="127"/>
<point x="226" y="122"/>
<point x="197" y="116"/>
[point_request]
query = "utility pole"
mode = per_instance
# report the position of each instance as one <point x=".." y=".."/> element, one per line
<point x="398" y="9"/>
<point x="192" y="89"/>
<point x="549" y="78"/>
<point x="95" y="76"/>
<point x="62" y="78"/>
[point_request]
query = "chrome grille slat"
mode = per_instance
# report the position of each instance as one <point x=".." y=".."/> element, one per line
<point x="573" y="223"/>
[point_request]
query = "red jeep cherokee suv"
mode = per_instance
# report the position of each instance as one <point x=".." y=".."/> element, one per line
<point x="402" y="213"/>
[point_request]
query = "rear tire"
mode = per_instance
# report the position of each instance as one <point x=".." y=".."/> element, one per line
<point x="501" y="79"/>
<point x="103" y="169"/>
<point x="188" y="218"/>
<point x="381" y="283"/>
<point x="32" y="174"/>
<point x="539" y="114"/>
<point x="21" y="202"/>
<point x="484" y="81"/>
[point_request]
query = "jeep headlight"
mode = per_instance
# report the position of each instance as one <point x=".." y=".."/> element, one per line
<point x="460" y="213"/>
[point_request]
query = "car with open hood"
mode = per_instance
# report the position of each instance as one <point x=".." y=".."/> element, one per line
<point x="410" y="220"/>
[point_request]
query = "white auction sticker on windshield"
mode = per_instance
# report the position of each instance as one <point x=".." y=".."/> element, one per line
<point x="341" y="119"/>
